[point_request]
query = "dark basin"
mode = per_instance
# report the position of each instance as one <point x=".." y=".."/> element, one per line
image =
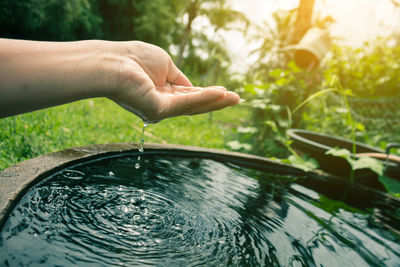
<point x="188" y="206"/>
<point x="316" y="145"/>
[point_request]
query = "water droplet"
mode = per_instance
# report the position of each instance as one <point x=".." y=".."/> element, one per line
<point x="73" y="174"/>
<point x="125" y="209"/>
<point x="137" y="165"/>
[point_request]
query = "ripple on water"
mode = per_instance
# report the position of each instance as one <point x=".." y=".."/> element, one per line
<point x="187" y="212"/>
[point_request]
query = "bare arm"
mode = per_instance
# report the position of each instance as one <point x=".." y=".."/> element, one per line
<point x="140" y="77"/>
<point x="36" y="75"/>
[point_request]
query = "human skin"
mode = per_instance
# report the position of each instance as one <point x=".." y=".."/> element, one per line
<point x="138" y="76"/>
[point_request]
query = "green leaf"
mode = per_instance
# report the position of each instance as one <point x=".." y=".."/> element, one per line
<point x="250" y="88"/>
<point x="260" y="103"/>
<point x="311" y="97"/>
<point x="283" y="123"/>
<point x="339" y="152"/>
<point x="277" y="73"/>
<point x="247" y="129"/>
<point x="348" y="92"/>
<point x="360" y="127"/>
<point x="235" y="145"/>
<point x="383" y="80"/>
<point x="341" y="110"/>
<point x="331" y="79"/>
<point x="306" y="164"/>
<point x="282" y="81"/>
<point x="293" y="67"/>
<point x="272" y="125"/>
<point x="357" y="163"/>
<point x="391" y="185"/>
<point x="368" y="163"/>
<point x="273" y="107"/>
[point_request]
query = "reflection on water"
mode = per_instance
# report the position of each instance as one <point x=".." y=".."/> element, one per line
<point x="188" y="212"/>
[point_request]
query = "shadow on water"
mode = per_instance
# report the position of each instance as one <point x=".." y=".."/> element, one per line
<point x="192" y="211"/>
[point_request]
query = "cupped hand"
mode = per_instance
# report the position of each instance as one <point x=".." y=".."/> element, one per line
<point x="152" y="87"/>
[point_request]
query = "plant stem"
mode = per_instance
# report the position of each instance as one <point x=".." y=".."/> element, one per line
<point x="353" y="128"/>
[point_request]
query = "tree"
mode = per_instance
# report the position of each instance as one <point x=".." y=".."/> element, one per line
<point x="49" y="19"/>
<point x="303" y="21"/>
<point x="218" y="13"/>
<point x="148" y="21"/>
<point x="272" y="52"/>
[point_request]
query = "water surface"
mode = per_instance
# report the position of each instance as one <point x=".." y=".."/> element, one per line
<point x="191" y="212"/>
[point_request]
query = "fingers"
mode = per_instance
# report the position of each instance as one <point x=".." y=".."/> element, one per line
<point x="185" y="89"/>
<point x="230" y="99"/>
<point x="175" y="76"/>
<point x="205" y="100"/>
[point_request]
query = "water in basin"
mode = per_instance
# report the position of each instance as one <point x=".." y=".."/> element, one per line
<point x="176" y="211"/>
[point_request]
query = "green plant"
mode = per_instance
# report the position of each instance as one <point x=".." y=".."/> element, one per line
<point x="391" y="185"/>
<point x="281" y="116"/>
<point x="371" y="71"/>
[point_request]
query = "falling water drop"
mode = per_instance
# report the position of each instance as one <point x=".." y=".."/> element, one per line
<point x="137" y="165"/>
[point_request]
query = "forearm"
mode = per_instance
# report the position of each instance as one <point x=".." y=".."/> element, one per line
<point x="35" y="75"/>
<point x="140" y="77"/>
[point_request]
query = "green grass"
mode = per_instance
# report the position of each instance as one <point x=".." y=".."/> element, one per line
<point x="100" y="121"/>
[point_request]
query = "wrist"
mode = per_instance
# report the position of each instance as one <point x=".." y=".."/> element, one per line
<point x="101" y="68"/>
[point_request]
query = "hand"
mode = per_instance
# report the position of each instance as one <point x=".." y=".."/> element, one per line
<point x="140" y="77"/>
<point x="152" y="87"/>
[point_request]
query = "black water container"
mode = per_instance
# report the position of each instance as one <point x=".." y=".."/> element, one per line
<point x="188" y="206"/>
<point x="316" y="145"/>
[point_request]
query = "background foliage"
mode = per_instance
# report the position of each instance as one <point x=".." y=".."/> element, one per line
<point x="49" y="20"/>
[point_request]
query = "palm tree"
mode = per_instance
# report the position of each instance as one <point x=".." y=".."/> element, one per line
<point x="275" y="40"/>
<point x="218" y="13"/>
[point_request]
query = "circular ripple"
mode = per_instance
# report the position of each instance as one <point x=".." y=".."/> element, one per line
<point x="112" y="222"/>
<point x="141" y="222"/>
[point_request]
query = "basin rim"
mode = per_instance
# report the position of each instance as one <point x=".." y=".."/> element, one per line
<point x="16" y="180"/>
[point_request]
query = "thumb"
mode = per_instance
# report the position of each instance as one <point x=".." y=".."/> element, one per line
<point x="176" y="77"/>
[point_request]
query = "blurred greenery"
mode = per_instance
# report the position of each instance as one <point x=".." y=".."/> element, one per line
<point x="354" y="93"/>
<point x="49" y="20"/>
<point x="279" y="95"/>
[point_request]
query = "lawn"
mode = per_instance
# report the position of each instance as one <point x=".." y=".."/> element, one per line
<point x="99" y="121"/>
